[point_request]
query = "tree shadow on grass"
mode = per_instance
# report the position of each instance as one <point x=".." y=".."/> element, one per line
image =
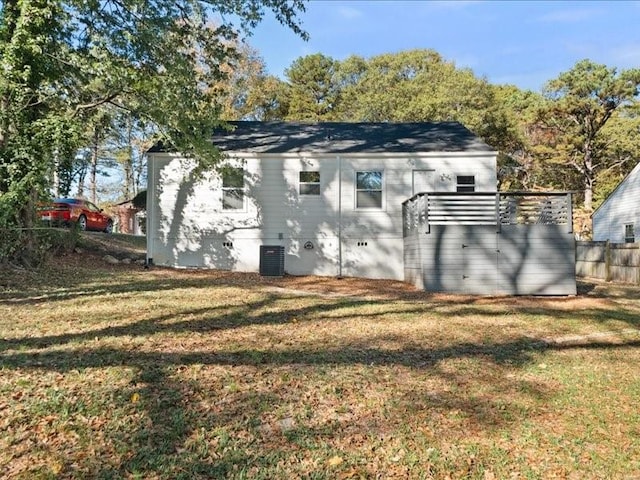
<point x="209" y="319"/>
<point x="159" y="445"/>
<point x="99" y="285"/>
<point x="217" y="317"/>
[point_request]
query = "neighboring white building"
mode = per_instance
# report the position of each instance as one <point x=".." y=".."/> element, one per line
<point x="618" y="218"/>
<point x="330" y="193"/>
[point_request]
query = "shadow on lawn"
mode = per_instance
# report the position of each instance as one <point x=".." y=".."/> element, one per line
<point x="159" y="442"/>
<point x="213" y="318"/>
<point x="67" y="282"/>
<point x="96" y="284"/>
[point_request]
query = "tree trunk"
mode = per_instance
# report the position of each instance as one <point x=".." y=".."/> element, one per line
<point x="128" y="165"/>
<point x="588" y="177"/>
<point x="82" y="174"/>
<point x="27" y="220"/>
<point x="588" y="194"/>
<point x="56" y="175"/>
<point x="94" y="167"/>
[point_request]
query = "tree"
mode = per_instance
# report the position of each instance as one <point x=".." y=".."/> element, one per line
<point x="409" y="86"/>
<point x="620" y="145"/>
<point x="313" y="92"/>
<point x="581" y="102"/>
<point x="269" y="99"/>
<point x="62" y="60"/>
<point x="244" y="76"/>
<point x="523" y="165"/>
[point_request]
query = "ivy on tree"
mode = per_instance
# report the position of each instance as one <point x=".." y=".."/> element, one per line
<point x="61" y="61"/>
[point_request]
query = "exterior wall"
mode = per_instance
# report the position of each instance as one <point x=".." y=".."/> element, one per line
<point x="482" y="259"/>
<point x="188" y="228"/>
<point x="620" y="208"/>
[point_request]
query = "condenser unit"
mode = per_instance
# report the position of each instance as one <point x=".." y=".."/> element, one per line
<point x="271" y="260"/>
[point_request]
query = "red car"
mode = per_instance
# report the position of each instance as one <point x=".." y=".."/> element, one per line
<point x="70" y="211"/>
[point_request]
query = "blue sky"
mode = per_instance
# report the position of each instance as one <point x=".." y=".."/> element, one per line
<point x="525" y="43"/>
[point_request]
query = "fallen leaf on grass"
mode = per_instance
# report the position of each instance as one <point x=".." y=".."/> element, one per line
<point x="352" y="473"/>
<point x="334" y="461"/>
<point x="56" y="468"/>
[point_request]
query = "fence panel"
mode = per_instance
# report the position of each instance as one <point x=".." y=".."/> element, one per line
<point x="612" y="262"/>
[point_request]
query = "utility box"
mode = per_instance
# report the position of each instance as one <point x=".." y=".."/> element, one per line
<point x="271" y="260"/>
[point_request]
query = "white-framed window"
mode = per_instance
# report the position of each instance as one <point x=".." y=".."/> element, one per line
<point x="629" y="233"/>
<point x="309" y="183"/>
<point x="233" y="188"/>
<point x="369" y="189"/>
<point x="465" y="183"/>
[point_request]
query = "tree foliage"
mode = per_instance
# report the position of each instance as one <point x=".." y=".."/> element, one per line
<point x="409" y="86"/>
<point x="581" y="103"/>
<point x="62" y="60"/>
<point x="620" y="147"/>
<point x="313" y="90"/>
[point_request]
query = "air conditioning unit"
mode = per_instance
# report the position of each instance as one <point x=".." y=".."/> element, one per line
<point x="271" y="260"/>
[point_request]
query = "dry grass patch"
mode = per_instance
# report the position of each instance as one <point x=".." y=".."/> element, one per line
<point x="121" y="372"/>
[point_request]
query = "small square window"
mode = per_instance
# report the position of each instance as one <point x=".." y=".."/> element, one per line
<point x="465" y="183"/>
<point x="233" y="189"/>
<point x="369" y="189"/>
<point x="309" y="183"/>
<point x="629" y="234"/>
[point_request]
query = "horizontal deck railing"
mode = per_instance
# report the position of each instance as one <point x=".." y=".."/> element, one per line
<point x="486" y="208"/>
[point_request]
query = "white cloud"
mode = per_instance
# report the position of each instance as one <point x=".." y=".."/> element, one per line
<point x="452" y="4"/>
<point x="627" y="54"/>
<point x="349" y="13"/>
<point x="579" y="49"/>
<point x="569" y="16"/>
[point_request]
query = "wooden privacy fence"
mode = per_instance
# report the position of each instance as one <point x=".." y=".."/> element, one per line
<point x="612" y="262"/>
<point x="518" y="243"/>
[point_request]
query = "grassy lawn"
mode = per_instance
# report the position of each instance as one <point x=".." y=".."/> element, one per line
<point x="120" y="372"/>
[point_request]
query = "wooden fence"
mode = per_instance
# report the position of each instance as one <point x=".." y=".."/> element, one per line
<point x="612" y="262"/>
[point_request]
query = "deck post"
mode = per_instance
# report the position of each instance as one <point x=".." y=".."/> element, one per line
<point x="569" y="212"/>
<point x="426" y="212"/>
<point x="498" y="221"/>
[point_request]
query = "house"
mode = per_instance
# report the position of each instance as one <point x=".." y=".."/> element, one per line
<point x="127" y="218"/>
<point x="329" y="195"/>
<point x="617" y="219"/>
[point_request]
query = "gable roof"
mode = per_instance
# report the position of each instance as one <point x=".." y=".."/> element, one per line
<point x="615" y="190"/>
<point x="345" y="137"/>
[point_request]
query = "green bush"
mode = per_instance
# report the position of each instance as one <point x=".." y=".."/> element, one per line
<point x="31" y="248"/>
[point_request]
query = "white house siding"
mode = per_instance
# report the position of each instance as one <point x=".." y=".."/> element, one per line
<point x="188" y="228"/>
<point x="620" y="208"/>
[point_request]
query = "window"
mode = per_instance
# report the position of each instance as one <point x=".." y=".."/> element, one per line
<point x="369" y="189"/>
<point x="233" y="188"/>
<point x="465" y="183"/>
<point x="629" y="234"/>
<point x="91" y="207"/>
<point x="309" y="183"/>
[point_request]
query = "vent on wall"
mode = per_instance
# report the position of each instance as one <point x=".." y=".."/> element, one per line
<point x="271" y="260"/>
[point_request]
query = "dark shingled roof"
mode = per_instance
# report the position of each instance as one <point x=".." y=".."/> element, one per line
<point x="343" y="137"/>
